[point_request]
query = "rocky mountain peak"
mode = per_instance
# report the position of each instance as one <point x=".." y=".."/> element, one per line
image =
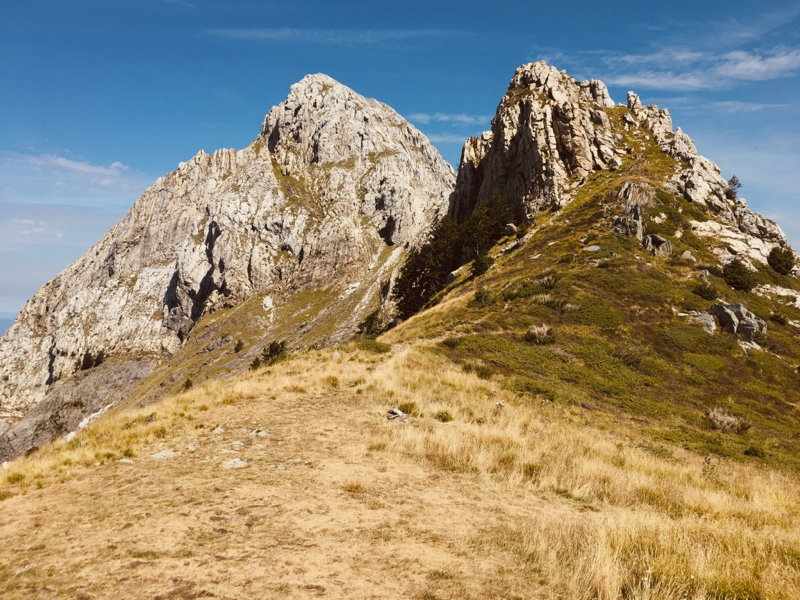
<point x="551" y="133"/>
<point x="310" y="222"/>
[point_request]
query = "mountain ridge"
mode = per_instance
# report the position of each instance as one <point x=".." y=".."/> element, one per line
<point x="324" y="155"/>
<point x="591" y="399"/>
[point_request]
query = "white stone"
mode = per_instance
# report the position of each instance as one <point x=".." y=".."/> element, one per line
<point x="234" y="463"/>
<point x="164" y="454"/>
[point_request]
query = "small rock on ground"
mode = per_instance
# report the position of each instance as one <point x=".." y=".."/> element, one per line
<point x="235" y="463"/>
<point x="163" y="454"/>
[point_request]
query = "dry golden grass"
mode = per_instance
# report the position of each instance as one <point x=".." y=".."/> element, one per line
<point x="514" y="497"/>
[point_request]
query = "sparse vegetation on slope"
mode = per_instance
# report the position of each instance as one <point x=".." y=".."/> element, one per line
<point x="561" y="503"/>
<point x="626" y="342"/>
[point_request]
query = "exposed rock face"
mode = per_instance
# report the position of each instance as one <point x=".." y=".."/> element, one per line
<point x="551" y="131"/>
<point x="633" y="197"/>
<point x="548" y="134"/>
<point x="69" y="402"/>
<point x="657" y="245"/>
<point x="735" y="318"/>
<point x="706" y="320"/>
<point x="328" y="197"/>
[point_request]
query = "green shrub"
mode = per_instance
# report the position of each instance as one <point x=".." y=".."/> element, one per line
<point x="540" y="334"/>
<point x="779" y="319"/>
<point x="15" y="478"/>
<point x="737" y="275"/>
<point x="481" y="264"/>
<point x="238" y="347"/>
<point x="782" y="260"/>
<point x="373" y="346"/>
<point x="733" y="188"/>
<point x="592" y="310"/>
<point x="631" y="355"/>
<point x="425" y="271"/>
<point x="273" y="353"/>
<point x="372" y="325"/>
<point x="706" y="291"/>
<point x="754" y="451"/>
<point x="187" y="385"/>
<point x="451" y="342"/>
<point x="444" y="416"/>
<point x="482" y="298"/>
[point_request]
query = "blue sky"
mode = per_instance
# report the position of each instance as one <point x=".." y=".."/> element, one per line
<point x="101" y="97"/>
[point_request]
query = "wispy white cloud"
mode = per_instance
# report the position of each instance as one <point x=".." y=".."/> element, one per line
<point x="53" y="179"/>
<point x="349" y="37"/>
<point x="736" y="106"/>
<point x="751" y="66"/>
<point x="27" y="227"/>
<point x="690" y="70"/>
<point x="661" y="80"/>
<point x="737" y="31"/>
<point x="460" y="119"/>
<point x="446" y="138"/>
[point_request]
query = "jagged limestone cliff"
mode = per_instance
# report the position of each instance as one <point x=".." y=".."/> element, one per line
<point x="551" y="131"/>
<point x="325" y="201"/>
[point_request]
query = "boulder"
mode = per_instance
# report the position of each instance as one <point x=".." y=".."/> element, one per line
<point x="735" y="318"/>
<point x="706" y="320"/>
<point x="728" y="321"/>
<point x="657" y="245"/>
<point x="510" y="229"/>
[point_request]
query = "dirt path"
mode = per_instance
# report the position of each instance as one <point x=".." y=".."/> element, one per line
<point x="314" y="513"/>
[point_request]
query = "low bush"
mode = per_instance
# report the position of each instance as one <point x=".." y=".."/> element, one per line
<point x="482" y="298"/>
<point x="444" y="416"/>
<point x="737" y="275"/>
<point x="373" y="346"/>
<point x="274" y="352"/>
<point x="779" y="319"/>
<point x="706" y="291"/>
<point x="723" y="420"/>
<point x="481" y="264"/>
<point x="540" y="334"/>
<point x="782" y="260"/>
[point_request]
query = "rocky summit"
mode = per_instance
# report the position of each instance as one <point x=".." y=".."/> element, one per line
<point x="551" y="132"/>
<point x="309" y="223"/>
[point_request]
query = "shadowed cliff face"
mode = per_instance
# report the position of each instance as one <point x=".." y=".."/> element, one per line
<point x="328" y="198"/>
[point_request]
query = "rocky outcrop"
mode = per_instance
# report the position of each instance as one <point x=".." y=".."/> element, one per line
<point x="633" y="197"/>
<point x="548" y="134"/>
<point x="328" y="198"/>
<point x="69" y="402"/>
<point x="735" y="318"/>
<point x="657" y="245"/>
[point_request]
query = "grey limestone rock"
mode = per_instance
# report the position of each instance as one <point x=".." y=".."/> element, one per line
<point x="657" y="245"/>
<point x="334" y="190"/>
<point x="548" y="134"/>
<point x="706" y="320"/>
<point x="735" y="318"/>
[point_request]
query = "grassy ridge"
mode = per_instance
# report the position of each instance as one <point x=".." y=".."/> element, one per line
<point x="555" y="499"/>
<point x="622" y="340"/>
